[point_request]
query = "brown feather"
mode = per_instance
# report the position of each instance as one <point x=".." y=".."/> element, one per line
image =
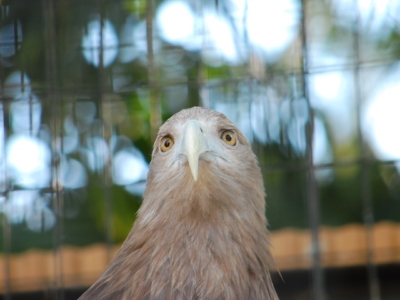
<point x="204" y="239"/>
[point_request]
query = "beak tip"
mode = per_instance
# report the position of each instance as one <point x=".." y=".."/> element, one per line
<point x="194" y="170"/>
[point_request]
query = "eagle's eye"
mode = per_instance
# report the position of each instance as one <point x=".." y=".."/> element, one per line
<point x="166" y="143"/>
<point x="229" y="137"/>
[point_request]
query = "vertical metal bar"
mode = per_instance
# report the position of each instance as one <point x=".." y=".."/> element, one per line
<point x="155" y="104"/>
<point x="201" y="71"/>
<point x="53" y="102"/>
<point x="30" y="103"/>
<point x="3" y="171"/>
<point x="6" y="225"/>
<point x="7" y="257"/>
<point x="195" y="82"/>
<point x="108" y="204"/>
<point x="318" y="279"/>
<point x="368" y="216"/>
<point x="108" y="199"/>
<point x="15" y="34"/>
<point x="4" y="187"/>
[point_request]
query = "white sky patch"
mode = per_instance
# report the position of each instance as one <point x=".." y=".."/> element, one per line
<point x="134" y="41"/>
<point x="376" y="16"/>
<point x="219" y="43"/>
<point x="72" y="174"/>
<point x="322" y="152"/>
<point x="40" y="218"/>
<point x="17" y="85"/>
<point x="28" y="161"/>
<point x="129" y="167"/>
<point x="7" y="38"/>
<point x="269" y="26"/>
<point x="27" y="154"/>
<point x="91" y="43"/>
<point x="327" y="86"/>
<point x="18" y="204"/>
<point x="265" y="119"/>
<point x="331" y="93"/>
<point x="3" y="172"/>
<point x="134" y="45"/>
<point x="29" y="205"/>
<point x="272" y="24"/>
<point x="70" y="141"/>
<point x="176" y="23"/>
<point x="296" y="114"/>
<point x="381" y="121"/>
<point x="100" y="153"/>
<point x="26" y="114"/>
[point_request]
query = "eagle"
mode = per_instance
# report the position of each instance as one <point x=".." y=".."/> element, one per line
<point x="201" y="231"/>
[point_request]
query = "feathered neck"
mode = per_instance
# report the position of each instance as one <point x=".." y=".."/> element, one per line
<point x="201" y="240"/>
<point x="206" y="238"/>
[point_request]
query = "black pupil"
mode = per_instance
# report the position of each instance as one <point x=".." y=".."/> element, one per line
<point x="228" y="137"/>
<point x="166" y="143"/>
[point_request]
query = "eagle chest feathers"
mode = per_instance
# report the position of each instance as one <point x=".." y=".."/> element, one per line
<point x="201" y="230"/>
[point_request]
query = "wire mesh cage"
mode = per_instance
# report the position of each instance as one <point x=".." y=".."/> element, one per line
<point x="313" y="84"/>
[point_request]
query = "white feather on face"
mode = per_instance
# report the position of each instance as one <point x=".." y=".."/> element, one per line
<point x="201" y="230"/>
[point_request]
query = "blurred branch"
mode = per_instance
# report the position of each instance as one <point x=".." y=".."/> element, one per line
<point x="195" y="79"/>
<point x="366" y="193"/>
<point x="155" y="104"/>
<point x="55" y="106"/>
<point x="318" y="277"/>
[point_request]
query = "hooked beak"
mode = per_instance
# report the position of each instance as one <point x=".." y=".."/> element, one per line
<point x="193" y="145"/>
